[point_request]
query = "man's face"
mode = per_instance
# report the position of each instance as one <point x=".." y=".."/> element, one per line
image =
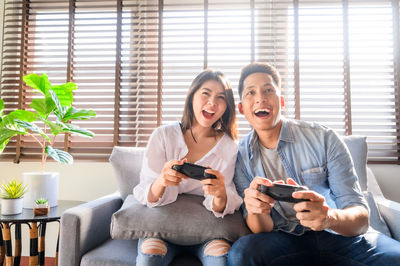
<point x="261" y="102"/>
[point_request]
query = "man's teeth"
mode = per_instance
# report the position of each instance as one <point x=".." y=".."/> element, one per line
<point x="262" y="111"/>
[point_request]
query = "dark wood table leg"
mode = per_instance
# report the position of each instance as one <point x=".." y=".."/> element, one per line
<point x="7" y="244"/>
<point x="17" y="245"/>
<point x="2" y="252"/>
<point x="33" y="258"/>
<point x="42" y="235"/>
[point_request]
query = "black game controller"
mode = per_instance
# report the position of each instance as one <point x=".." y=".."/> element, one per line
<point x="193" y="171"/>
<point x="282" y="192"/>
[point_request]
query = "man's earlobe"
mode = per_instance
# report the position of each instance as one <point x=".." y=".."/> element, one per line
<point x="240" y="107"/>
<point x="282" y="101"/>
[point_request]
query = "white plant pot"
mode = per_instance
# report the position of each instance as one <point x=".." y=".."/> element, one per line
<point x="41" y="185"/>
<point x="11" y="206"/>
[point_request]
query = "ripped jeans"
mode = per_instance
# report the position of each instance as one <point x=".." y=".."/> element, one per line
<point x="174" y="250"/>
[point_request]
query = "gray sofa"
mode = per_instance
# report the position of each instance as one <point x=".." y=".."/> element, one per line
<point x="85" y="230"/>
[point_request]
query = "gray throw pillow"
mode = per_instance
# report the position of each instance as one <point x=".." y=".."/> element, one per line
<point x="184" y="222"/>
<point x="358" y="148"/>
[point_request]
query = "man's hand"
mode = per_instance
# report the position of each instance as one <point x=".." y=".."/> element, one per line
<point x="255" y="201"/>
<point x="313" y="214"/>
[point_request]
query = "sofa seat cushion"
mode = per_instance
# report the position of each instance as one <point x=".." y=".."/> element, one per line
<point x="184" y="222"/>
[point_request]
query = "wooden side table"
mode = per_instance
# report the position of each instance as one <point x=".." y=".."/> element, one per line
<point x="37" y="230"/>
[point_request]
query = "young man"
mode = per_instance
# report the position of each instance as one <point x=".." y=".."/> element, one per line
<point x="328" y="229"/>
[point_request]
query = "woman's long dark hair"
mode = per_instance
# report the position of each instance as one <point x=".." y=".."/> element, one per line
<point x="227" y="122"/>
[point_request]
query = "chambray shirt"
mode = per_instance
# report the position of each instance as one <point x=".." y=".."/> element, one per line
<point x="314" y="156"/>
<point x="167" y="143"/>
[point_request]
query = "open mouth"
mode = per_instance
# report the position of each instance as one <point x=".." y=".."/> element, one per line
<point x="262" y="113"/>
<point x="208" y="115"/>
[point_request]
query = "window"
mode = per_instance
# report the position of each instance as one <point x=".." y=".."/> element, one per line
<point x="133" y="62"/>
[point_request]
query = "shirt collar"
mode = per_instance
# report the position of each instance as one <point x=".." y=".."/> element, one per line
<point x="286" y="135"/>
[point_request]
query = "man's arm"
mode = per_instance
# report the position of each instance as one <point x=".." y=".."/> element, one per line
<point x="256" y="206"/>
<point x="316" y="214"/>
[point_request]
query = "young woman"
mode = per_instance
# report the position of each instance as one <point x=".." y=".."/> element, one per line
<point x="205" y="136"/>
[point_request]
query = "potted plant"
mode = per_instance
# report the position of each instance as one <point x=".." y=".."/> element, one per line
<point x="55" y="111"/>
<point x="42" y="207"/>
<point x="11" y="194"/>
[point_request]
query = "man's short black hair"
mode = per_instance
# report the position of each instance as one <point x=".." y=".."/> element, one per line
<point x="257" y="67"/>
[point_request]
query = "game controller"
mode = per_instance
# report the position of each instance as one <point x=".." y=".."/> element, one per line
<point x="193" y="171"/>
<point x="282" y="192"/>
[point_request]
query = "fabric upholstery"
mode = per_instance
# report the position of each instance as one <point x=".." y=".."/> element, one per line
<point x="184" y="222"/>
<point x="84" y="227"/>
<point x="376" y="221"/>
<point x="357" y="146"/>
<point x="127" y="163"/>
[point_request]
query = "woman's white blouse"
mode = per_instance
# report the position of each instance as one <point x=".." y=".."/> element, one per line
<point x="167" y="143"/>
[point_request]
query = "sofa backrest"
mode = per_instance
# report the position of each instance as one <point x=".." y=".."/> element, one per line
<point x="127" y="163"/>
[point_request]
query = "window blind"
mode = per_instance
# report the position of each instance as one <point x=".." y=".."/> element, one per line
<point x="133" y="62"/>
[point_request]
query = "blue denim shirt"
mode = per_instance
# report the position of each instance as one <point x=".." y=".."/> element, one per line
<point x="314" y="156"/>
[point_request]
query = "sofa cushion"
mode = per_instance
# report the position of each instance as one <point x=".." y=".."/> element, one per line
<point x="184" y="222"/>
<point x="357" y="146"/>
<point x="127" y="163"/>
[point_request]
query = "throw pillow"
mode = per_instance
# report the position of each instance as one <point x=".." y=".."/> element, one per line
<point x="184" y="222"/>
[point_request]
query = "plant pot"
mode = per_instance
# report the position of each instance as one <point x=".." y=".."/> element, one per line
<point x="11" y="206"/>
<point x="41" y="209"/>
<point x="41" y="185"/>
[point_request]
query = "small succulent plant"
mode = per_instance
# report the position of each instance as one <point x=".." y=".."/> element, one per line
<point x="41" y="201"/>
<point x="13" y="190"/>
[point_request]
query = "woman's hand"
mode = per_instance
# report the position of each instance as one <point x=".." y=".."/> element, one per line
<point x="216" y="187"/>
<point x="168" y="177"/>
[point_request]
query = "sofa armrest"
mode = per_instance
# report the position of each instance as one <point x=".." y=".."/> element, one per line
<point x="390" y="211"/>
<point x="85" y="227"/>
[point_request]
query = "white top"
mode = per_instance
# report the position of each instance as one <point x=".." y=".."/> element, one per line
<point x="167" y="143"/>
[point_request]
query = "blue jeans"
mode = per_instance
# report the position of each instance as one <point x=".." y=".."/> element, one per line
<point x="173" y="250"/>
<point x="314" y="248"/>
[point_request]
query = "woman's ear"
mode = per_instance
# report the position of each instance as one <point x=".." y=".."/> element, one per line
<point x="240" y="107"/>
<point x="282" y="101"/>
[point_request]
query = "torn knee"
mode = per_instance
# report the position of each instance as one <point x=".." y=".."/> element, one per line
<point x="154" y="246"/>
<point x="217" y="248"/>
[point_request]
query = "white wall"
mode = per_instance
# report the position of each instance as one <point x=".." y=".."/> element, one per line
<point x="388" y="177"/>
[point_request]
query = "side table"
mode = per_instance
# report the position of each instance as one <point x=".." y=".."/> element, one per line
<point x="37" y="245"/>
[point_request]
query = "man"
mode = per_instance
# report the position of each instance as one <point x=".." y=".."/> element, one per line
<point x="328" y="229"/>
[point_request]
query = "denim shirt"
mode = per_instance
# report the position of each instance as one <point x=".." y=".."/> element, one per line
<point x="314" y="156"/>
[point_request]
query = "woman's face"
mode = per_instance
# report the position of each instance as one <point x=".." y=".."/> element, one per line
<point x="209" y="103"/>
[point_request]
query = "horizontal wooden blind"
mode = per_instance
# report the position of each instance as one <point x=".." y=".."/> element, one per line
<point x="133" y="62"/>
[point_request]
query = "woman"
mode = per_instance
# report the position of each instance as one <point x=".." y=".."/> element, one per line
<point x="205" y="137"/>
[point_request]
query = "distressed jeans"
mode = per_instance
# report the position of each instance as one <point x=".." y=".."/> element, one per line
<point x="173" y="250"/>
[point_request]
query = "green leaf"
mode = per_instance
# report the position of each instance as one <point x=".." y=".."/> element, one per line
<point x="40" y="84"/>
<point x="10" y="123"/>
<point x="54" y="127"/>
<point x="64" y="93"/>
<point x="73" y="113"/>
<point x="3" y="145"/>
<point x="33" y="128"/>
<point x="43" y="106"/>
<point x="23" y="115"/>
<point x="1" y="106"/>
<point x="59" y="155"/>
<point x="77" y="130"/>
